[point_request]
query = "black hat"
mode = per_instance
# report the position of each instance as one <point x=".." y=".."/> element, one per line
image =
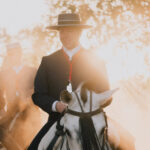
<point x="68" y="20"/>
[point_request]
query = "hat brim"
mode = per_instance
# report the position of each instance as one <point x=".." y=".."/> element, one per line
<point x="58" y="27"/>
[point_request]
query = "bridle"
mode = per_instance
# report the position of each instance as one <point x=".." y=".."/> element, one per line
<point x="83" y="113"/>
<point x="60" y="128"/>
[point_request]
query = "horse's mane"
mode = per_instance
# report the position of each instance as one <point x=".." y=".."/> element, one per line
<point x="89" y="137"/>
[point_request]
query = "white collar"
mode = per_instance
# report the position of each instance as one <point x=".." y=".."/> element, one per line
<point x="71" y="52"/>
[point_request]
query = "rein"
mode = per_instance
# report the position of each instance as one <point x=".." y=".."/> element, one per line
<point x="84" y="114"/>
<point x="59" y="132"/>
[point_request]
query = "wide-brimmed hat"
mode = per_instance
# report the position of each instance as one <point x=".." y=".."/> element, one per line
<point x="68" y="20"/>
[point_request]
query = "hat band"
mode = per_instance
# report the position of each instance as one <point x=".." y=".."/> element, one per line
<point x="65" y="22"/>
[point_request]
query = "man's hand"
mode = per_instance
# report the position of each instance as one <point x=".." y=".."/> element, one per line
<point x="60" y="106"/>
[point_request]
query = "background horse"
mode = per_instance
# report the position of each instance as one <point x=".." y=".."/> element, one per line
<point x="84" y="124"/>
<point x="18" y="114"/>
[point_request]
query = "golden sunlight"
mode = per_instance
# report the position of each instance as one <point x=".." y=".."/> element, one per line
<point x="19" y="14"/>
<point x="127" y="59"/>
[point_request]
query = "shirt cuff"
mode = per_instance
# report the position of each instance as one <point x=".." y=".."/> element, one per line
<point x="54" y="106"/>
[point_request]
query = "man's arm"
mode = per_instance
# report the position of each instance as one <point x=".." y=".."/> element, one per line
<point x="103" y="80"/>
<point x="102" y="76"/>
<point x="98" y="79"/>
<point x="40" y="96"/>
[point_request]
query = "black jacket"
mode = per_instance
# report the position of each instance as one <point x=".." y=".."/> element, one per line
<point x="53" y="74"/>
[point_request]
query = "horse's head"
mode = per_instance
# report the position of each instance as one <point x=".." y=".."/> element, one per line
<point x="84" y="122"/>
<point x="84" y="114"/>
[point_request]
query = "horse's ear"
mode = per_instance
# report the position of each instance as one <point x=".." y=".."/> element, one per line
<point x="83" y="94"/>
<point x="65" y="96"/>
<point x="104" y="98"/>
<point x="80" y="87"/>
<point x="107" y="103"/>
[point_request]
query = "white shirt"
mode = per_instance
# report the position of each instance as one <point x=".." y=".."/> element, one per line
<point x="70" y="53"/>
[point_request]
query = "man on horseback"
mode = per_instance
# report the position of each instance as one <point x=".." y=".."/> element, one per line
<point x="65" y="69"/>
